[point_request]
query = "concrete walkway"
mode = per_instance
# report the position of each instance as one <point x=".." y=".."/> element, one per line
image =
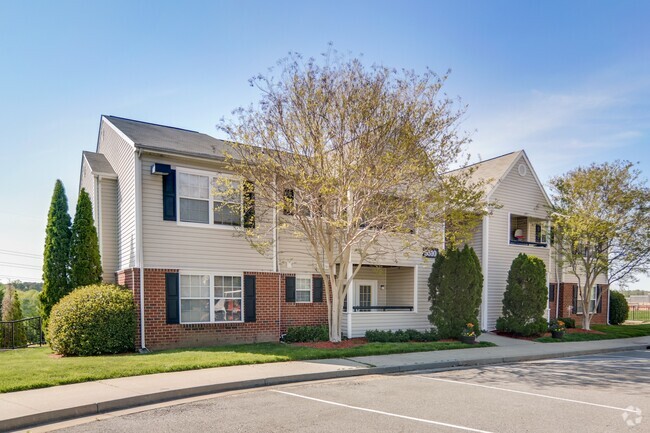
<point x="27" y="408"/>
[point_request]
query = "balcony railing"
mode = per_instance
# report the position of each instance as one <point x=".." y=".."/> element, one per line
<point x="357" y="308"/>
<point x="530" y="244"/>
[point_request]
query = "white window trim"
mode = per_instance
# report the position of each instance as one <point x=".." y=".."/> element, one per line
<point x="593" y="299"/>
<point x="528" y="218"/>
<point x="211" y="176"/>
<point x="373" y="293"/>
<point x="211" y="274"/>
<point x="311" y="289"/>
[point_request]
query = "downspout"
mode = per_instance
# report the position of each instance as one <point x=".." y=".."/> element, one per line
<point x="609" y="294"/>
<point x="98" y="216"/>
<point x="548" y="274"/>
<point x="276" y="264"/>
<point x="485" y="259"/>
<point x="139" y="244"/>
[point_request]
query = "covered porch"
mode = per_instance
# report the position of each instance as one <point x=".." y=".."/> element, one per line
<point x="381" y="297"/>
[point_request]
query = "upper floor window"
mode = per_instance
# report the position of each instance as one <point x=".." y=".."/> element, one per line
<point x="207" y="199"/>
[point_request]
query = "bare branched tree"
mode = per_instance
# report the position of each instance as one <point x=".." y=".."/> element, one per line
<point x="352" y="160"/>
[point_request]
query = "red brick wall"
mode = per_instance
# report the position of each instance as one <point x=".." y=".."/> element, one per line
<point x="565" y="300"/>
<point x="274" y="315"/>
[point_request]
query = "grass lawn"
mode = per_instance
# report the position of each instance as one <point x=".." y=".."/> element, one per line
<point x="610" y="332"/>
<point x="38" y="368"/>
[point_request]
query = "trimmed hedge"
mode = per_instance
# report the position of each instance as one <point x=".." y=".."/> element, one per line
<point x="93" y="320"/>
<point x="400" y="336"/>
<point x="307" y="334"/>
<point x="618" y="308"/>
<point x="524" y="299"/>
<point x="568" y="322"/>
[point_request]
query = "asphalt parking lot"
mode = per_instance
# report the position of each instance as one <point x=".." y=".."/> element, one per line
<point x="600" y="393"/>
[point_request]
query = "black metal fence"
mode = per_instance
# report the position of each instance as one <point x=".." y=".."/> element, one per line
<point x="21" y="333"/>
<point x="639" y="312"/>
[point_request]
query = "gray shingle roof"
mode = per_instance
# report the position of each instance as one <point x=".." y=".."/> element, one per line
<point x="98" y="163"/>
<point x="491" y="170"/>
<point x="170" y="139"/>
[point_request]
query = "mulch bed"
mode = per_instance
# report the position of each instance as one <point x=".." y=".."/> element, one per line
<point x="352" y="342"/>
<point x="548" y="334"/>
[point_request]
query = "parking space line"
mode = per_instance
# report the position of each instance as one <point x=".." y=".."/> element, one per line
<point x="380" y="412"/>
<point x="524" y="392"/>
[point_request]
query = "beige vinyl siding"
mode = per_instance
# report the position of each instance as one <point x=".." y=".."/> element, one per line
<point x="477" y="241"/>
<point x="108" y="193"/>
<point x="121" y="155"/>
<point x="293" y="253"/>
<point x="399" y="286"/>
<point x="519" y="195"/>
<point x="394" y="320"/>
<point x="169" y="244"/>
<point x="87" y="181"/>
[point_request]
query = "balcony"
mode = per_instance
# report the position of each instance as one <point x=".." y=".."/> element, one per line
<point x="528" y="231"/>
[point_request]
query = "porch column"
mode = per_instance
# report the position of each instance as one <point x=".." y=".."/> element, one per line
<point x="350" y="298"/>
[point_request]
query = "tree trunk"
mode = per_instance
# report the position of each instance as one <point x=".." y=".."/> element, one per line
<point x="334" y="311"/>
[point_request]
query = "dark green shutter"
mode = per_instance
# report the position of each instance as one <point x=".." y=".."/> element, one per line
<point x="317" y="289"/>
<point x="169" y="196"/>
<point x="249" y="205"/>
<point x="290" y="289"/>
<point x="172" y="298"/>
<point x="250" y="307"/>
<point x="599" y="298"/>
<point x="551" y="292"/>
<point x="575" y="299"/>
<point x="288" y="202"/>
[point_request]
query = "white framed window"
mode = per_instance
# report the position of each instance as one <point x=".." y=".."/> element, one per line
<point x="227" y="201"/>
<point x="592" y="302"/>
<point x="194" y="198"/>
<point x="303" y="288"/>
<point x="214" y="199"/>
<point x="211" y="298"/>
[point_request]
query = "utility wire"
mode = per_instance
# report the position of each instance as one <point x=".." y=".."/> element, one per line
<point x="20" y="253"/>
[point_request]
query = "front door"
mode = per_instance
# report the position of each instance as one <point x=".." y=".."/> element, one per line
<point x="365" y="294"/>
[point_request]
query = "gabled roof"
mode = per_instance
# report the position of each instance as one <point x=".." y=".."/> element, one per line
<point x="169" y="139"/>
<point x="98" y="164"/>
<point x="495" y="169"/>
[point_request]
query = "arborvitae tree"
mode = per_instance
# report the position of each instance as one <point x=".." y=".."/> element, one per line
<point x="57" y="253"/>
<point x="11" y="311"/>
<point x="455" y="287"/>
<point x="85" y="263"/>
<point x="524" y="300"/>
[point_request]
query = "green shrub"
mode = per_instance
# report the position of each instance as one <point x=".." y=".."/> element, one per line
<point x="524" y="300"/>
<point x="568" y="322"/>
<point x="93" y="320"/>
<point x="455" y="287"/>
<point x="618" y="308"/>
<point x="400" y="336"/>
<point x="305" y="334"/>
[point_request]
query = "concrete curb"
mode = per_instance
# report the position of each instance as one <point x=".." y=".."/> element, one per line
<point x="178" y="394"/>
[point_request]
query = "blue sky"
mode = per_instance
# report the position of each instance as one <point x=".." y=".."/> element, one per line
<point x="569" y="82"/>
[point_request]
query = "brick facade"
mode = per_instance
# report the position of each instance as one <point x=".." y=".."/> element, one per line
<point x="564" y="301"/>
<point x="274" y="314"/>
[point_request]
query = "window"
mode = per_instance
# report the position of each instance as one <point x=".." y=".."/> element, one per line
<point x="227" y="202"/>
<point x="194" y="198"/>
<point x="227" y="298"/>
<point x="197" y="194"/>
<point x="365" y="295"/>
<point x="195" y="298"/>
<point x="200" y="292"/>
<point x="303" y="289"/>
<point x="592" y="302"/>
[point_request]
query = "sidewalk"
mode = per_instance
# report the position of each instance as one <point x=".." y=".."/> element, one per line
<point x="27" y="408"/>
